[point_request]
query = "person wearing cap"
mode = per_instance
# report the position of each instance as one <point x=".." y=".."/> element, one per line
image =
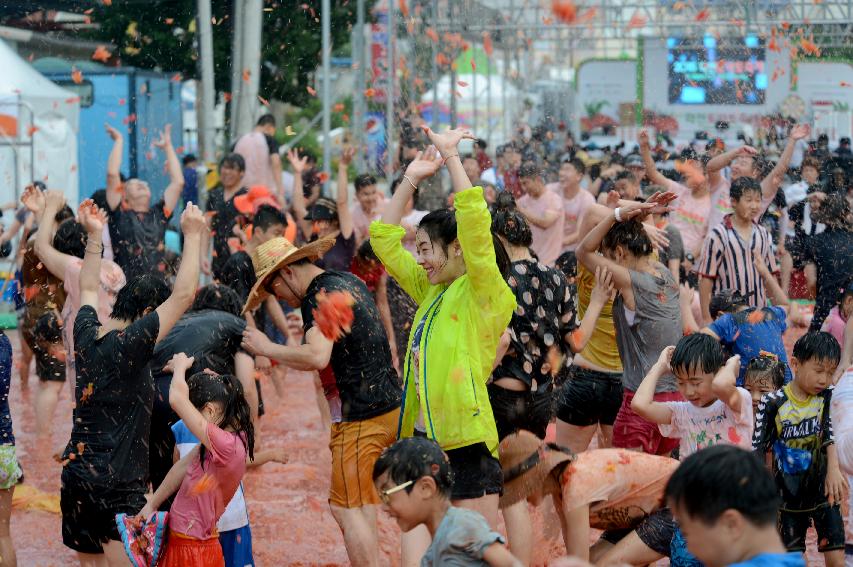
<point x="843" y="147"/>
<point x="138" y="228"/>
<point x="744" y="162"/>
<point x="326" y="218"/>
<point x="359" y="365"/>
<point x="635" y="164"/>
<point x="465" y="306"/>
<point x="615" y="490"/>
<point x="222" y="213"/>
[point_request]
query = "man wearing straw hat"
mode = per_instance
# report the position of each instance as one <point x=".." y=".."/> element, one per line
<point x="616" y="490"/>
<point x="368" y="394"/>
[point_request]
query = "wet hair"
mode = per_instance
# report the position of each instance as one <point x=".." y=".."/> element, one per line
<point x="440" y="227"/>
<point x="64" y="214"/>
<point x="627" y="175"/>
<point x="630" y="235"/>
<point x="364" y="180"/>
<point x="818" y="345"/>
<point x="228" y="391"/>
<point x="508" y="222"/>
<point x="413" y="458"/>
<point x="188" y="159"/>
<point x="239" y="272"/>
<point x="365" y="252"/>
<point x="140" y="294"/>
<point x="810" y="162"/>
<point x="528" y="169"/>
<point x="218" y="297"/>
<point x="720" y="478"/>
<point x="577" y="164"/>
<point x="697" y="352"/>
<point x="834" y="210"/>
<point x="766" y="365"/>
<point x="567" y="263"/>
<point x="267" y="216"/>
<point x="726" y="301"/>
<point x="233" y="160"/>
<point x="71" y="238"/>
<point x="743" y="185"/>
<point x="266" y="120"/>
<point x="100" y="199"/>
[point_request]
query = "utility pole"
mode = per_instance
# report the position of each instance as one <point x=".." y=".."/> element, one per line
<point x="204" y="111"/>
<point x="389" y="91"/>
<point x="236" y="68"/>
<point x="358" y="97"/>
<point x="327" y="86"/>
<point x="251" y="65"/>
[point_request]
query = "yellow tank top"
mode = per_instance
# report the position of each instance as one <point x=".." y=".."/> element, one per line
<point x="601" y="349"/>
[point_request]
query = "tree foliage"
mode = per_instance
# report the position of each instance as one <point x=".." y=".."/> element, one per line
<point x="161" y="34"/>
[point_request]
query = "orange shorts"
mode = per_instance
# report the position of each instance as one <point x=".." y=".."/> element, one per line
<point x="183" y="550"/>
<point x="355" y="446"/>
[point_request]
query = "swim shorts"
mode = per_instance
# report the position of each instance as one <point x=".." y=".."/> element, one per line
<point x="828" y="524"/>
<point x="355" y="446"/>
<point x="476" y="473"/>
<point x="630" y="431"/>
<point x="515" y="411"/>
<point x="589" y="397"/>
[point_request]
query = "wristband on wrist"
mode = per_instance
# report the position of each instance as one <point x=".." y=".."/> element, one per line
<point x="448" y="157"/>
<point x="617" y="215"/>
<point x="406" y="177"/>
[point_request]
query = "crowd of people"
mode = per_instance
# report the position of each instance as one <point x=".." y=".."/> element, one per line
<point x="593" y="324"/>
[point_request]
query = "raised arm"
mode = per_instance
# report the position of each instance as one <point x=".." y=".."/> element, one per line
<point x="179" y="397"/>
<point x="45" y="206"/>
<point x="723" y="160"/>
<point x="344" y="215"/>
<point x="644" y="403"/>
<point x="93" y="220"/>
<point x="186" y="282"/>
<point x="173" y="167"/>
<point x="424" y="166"/>
<point x="655" y="176"/>
<point x="114" y="168"/>
<point x="724" y="384"/>
<point x="771" y="182"/>
<point x="299" y="208"/>
<point x="447" y="145"/>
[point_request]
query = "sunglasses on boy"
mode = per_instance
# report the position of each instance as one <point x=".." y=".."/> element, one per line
<point x="385" y="495"/>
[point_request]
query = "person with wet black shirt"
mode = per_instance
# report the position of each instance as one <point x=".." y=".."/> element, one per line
<point x="210" y="332"/>
<point x="106" y="460"/>
<point x="221" y="211"/>
<point x="138" y="228"/>
<point x="364" y="378"/>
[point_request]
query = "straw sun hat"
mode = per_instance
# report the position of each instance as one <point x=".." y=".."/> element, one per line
<point x="273" y="255"/>
<point x="526" y="461"/>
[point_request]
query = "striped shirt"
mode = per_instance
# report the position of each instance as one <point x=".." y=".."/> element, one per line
<point x="728" y="260"/>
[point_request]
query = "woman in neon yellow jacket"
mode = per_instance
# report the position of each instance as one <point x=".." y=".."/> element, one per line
<point x="464" y="307"/>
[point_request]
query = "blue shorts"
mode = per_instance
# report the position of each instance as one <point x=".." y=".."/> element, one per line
<point x="237" y="547"/>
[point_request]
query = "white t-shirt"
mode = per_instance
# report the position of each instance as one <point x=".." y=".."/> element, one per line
<point x="699" y="428"/>
<point x="547" y="242"/>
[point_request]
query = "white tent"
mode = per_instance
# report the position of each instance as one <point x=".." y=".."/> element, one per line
<point x="38" y="130"/>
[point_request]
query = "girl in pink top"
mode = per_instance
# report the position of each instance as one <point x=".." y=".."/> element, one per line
<point x="839" y="315"/>
<point x="216" y="412"/>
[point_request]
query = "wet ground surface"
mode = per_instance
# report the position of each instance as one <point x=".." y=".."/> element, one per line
<point x="291" y="521"/>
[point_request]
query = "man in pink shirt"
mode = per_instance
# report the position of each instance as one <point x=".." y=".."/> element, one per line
<point x="744" y="164"/>
<point x="543" y="209"/>
<point x="575" y="200"/>
<point x="370" y="202"/>
<point x="690" y="211"/>
<point x="260" y="152"/>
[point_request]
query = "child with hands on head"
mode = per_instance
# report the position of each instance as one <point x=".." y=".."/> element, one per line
<point x="215" y="410"/>
<point x="716" y="410"/>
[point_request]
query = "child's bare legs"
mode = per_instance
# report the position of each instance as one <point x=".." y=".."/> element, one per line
<point x="7" y="550"/>
<point x="279" y="373"/>
<point x="414" y="544"/>
<point x="92" y="559"/>
<point x="630" y="550"/>
<point x="46" y="400"/>
<point x="361" y="537"/>
<point x="24" y="363"/>
<point x="115" y="554"/>
<point x="519" y="531"/>
<point x="576" y="437"/>
<point x="834" y="558"/>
